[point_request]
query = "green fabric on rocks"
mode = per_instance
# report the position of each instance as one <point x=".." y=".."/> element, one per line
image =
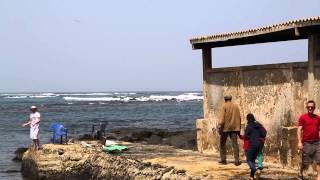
<point x="114" y="148"/>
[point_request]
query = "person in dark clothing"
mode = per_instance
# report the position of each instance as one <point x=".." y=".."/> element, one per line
<point x="255" y="133"/>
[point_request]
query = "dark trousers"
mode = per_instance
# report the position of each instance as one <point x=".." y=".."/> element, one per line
<point x="252" y="154"/>
<point x="223" y="149"/>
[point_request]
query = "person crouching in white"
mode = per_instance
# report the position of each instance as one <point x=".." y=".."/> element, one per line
<point x="34" y="122"/>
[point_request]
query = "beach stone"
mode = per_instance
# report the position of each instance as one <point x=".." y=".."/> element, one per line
<point x="154" y="139"/>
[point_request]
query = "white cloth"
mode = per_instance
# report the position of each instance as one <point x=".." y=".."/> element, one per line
<point x="34" y="125"/>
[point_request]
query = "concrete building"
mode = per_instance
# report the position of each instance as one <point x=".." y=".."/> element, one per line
<point x="275" y="93"/>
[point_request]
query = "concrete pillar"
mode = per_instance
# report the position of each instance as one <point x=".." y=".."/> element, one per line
<point x="313" y="56"/>
<point x="207" y="65"/>
<point x="242" y="92"/>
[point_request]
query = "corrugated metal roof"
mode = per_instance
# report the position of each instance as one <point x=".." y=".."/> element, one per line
<point x="311" y="21"/>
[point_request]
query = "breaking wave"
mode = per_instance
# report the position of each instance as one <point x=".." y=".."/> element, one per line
<point x="85" y="94"/>
<point x="182" y="97"/>
<point x="23" y="96"/>
<point x="109" y="97"/>
<point x="125" y="93"/>
<point x="91" y="99"/>
<point x="16" y="97"/>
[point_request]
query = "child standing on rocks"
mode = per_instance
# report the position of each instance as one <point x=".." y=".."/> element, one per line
<point x="34" y="121"/>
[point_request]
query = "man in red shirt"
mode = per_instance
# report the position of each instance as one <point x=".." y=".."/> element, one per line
<point x="308" y="136"/>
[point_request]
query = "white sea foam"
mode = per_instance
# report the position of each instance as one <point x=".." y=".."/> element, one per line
<point x="189" y="97"/>
<point x="161" y="97"/>
<point x="122" y="96"/>
<point x="45" y="95"/>
<point x="15" y="94"/>
<point x="49" y="94"/>
<point x="193" y="93"/>
<point x="181" y="97"/>
<point x="85" y="94"/>
<point x="125" y="93"/>
<point x="91" y="99"/>
<point x="16" y="97"/>
<point x="143" y="99"/>
<point x="22" y="96"/>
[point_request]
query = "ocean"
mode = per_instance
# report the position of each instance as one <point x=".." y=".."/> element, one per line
<point x="79" y="111"/>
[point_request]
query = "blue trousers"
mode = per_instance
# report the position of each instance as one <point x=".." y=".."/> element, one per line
<point x="252" y="155"/>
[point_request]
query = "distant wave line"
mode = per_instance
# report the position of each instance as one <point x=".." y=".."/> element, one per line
<point x="182" y="97"/>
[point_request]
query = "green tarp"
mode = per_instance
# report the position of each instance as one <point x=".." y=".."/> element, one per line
<point x="114" y="148"/>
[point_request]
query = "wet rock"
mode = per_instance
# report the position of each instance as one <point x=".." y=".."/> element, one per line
<point x="12" y="171"/>
<point x="179" y="139"/>
<point x="86" y="137"/>
<point x="19" y="153"/>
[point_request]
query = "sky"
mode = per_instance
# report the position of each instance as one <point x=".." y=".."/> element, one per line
<point x="141" y="45"/>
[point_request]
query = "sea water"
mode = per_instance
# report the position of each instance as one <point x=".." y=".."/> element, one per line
<point x="79" y="111"/>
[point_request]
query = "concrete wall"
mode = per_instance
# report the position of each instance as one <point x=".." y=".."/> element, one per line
<point x="275" y="94"/>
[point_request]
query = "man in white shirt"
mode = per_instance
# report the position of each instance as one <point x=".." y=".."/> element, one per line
<point x="34" y="121"/>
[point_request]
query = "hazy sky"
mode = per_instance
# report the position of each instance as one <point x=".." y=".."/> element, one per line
<point x="141" y="45"/>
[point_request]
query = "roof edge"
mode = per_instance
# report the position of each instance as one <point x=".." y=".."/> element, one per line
<point x="293" y="24"/>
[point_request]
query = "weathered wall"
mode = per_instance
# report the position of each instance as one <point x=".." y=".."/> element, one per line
<point x="275" y="94"/>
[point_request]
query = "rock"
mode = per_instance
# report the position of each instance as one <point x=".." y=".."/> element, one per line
<point x="60" y="152"/>
<point x="19" y="153"/>
<point x="180" y="139"/>
<point x="139" y="162"/>
<point x="86" y="137"/>
<point x="154" y="139"/>
<point x="80" y="163"/>
<point x="71" y="140"/>
<point x="185" y="140"/>
<point x="12" y="171"/>
<point x="181" y="171"/>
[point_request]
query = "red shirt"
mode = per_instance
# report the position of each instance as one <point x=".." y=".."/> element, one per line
<point x="310" y="127"/>
<point x="246" y="142"/>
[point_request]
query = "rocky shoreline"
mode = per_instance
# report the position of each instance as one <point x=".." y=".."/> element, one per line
<point x="76" y="162"/>
<point x="152" y="154"/>
<point x="73" y="161"/>
<point x="178" y="139"/>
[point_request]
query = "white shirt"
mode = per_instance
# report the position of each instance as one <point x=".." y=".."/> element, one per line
<point x="34" y="125"/>
<point x="35" y="118"/>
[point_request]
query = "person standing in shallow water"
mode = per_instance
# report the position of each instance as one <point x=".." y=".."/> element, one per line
<point x="230" y="122"/>
<point x="34" y="121"/>
<point x="256" y="134"/>
<point x="308" y="137"/>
